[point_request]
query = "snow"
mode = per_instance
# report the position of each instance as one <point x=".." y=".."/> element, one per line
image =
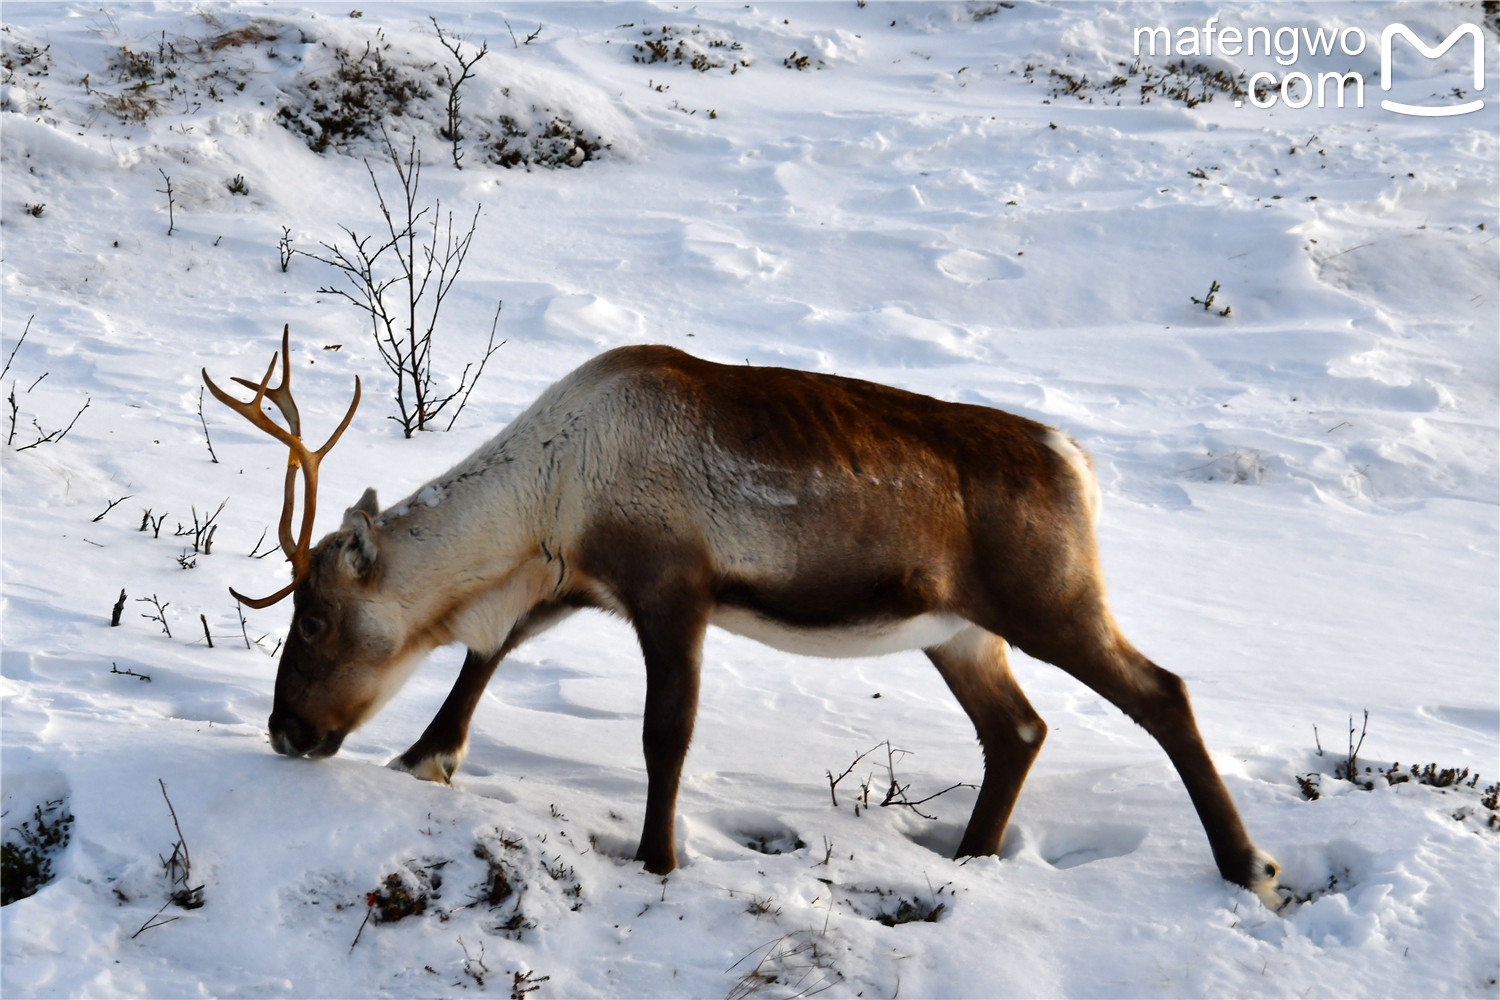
<point x="1299" y="500"/>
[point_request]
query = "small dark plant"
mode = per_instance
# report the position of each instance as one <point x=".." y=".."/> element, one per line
<point x="697" y="48"/>
<point x="363" y="92"/>
<point x="760" y="906"/>
<point x="910" y="911"/>
<point x="497" y="887"/>
<point x="237" y="185"/>
<point x="1431" y="775"/>
<point x="1207" y="301"/>
<point x="26" y="863"/>
<point x="770" y="843"/>
<point x="404" y="893"/>
<point x="1190" y="85"/>
<point x="522" y="983"/>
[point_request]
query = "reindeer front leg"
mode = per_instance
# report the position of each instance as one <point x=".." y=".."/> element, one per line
<point x="670" y="628"/>
<point x="441" y="748"/>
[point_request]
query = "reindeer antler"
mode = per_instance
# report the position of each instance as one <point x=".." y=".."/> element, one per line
<point x="297" y="552"/>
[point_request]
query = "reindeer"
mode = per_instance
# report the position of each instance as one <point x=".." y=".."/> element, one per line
<point x="813" y="513"/>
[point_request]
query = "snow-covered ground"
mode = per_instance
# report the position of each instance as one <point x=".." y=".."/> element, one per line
<point x="1300" y="496"/>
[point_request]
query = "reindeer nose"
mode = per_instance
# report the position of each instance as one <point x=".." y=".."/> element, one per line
<point x="292" y="735"/>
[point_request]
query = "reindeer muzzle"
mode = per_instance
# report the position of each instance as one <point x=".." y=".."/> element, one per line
<point x="294" y="737"/>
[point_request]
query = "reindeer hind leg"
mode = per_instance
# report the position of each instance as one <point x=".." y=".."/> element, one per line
<point x="975" y="667"/>
<point x="1084" y="641"/>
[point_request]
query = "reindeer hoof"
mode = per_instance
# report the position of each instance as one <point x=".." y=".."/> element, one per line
<point x="1263" y="874"/>
<point x="656" y="862"/>
<point x="438" y="767"/>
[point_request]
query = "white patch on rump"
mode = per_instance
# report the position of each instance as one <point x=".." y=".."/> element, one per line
<point x="1081" y="465"/>
<point x="863" y="639"/>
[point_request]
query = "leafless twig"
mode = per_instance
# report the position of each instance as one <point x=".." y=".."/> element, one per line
<point x="179" y="869"/>
<point x="833" y="783"/>
<point x="453" y="131"/>
<point x="13" y="350"/>
<point x="895" y="795"/>
<point x="171" y="208"/>
<point x="369" y="910"/>
<point x="202" y="533"/>
<point x="112" y="505"/>
<point x="161" y="612"/>
<point x="474" y="968"/>
<point x="207" y="440"/>
<point x="46" y="436"/>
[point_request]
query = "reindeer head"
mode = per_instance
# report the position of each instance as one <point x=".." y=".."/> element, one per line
<point x="342" y="659"/>
<point x="346" y="652"/>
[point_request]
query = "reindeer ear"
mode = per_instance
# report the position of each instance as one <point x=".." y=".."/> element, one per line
<point x="367" y="505"/>
<point x="360" y="551"/>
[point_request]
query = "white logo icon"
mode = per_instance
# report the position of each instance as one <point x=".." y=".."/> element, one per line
<point x="1387" y="39"/>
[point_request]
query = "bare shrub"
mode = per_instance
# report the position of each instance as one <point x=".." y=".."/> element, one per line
<point x="400" y="279"/>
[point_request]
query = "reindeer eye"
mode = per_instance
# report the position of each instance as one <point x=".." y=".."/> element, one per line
<point x="310" y="627"/>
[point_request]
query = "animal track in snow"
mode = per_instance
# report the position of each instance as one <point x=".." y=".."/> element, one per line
<point x="969" y="268"/>
<point x="1071" y="846"/>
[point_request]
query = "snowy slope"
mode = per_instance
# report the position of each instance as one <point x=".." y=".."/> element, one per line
<point x="1300" y="497"/>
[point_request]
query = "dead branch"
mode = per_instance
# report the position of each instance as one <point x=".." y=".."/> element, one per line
<point x="171" y="206"/>
<point x="202" y="532"/>
<point x="114" y="615"/>
<point x="161" y="612"/>
<point x="112" y="505"/>
<point x="370" y="909"/>
<point x="46" y="436"/>
<point x="13" y="350"/>
<point x="833" y="783"/>
<point x="207" y="440"/>
<point x="179" y="868"/>
<point x="115" y="669"/>
<point x="453" y="132"/>
<point x="896" y="795"/>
